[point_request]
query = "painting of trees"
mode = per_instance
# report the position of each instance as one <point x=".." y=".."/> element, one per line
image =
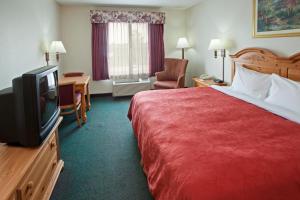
<point x="277" y="15"/>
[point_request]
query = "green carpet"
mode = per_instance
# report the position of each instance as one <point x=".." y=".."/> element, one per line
<point x="101" y="158"/>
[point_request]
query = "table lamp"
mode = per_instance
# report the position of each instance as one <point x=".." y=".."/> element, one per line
<point x="182" y="43"/>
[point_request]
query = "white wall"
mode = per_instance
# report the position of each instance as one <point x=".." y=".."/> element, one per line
<point x="25" y="25"/>
<point x="76" y="35"/>
<point x="226" y="19"/>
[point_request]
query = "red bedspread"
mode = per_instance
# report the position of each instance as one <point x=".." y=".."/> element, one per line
<point x="202" y="144"/>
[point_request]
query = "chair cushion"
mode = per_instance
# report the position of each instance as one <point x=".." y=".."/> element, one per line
<point x="165" y="84"/>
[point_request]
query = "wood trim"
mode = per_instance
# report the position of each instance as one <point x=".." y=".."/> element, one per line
<point x="58" y="145"/>
<point x="265" y="61"/>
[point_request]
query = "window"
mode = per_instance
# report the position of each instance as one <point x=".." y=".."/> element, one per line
<point x="128" y="56"/>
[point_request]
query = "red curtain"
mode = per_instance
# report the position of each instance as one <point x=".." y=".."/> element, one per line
<point x="99" y="51"/>
<point x="156" y="48"/>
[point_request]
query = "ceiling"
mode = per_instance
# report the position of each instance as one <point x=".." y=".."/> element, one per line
<point x="142" y="3"/>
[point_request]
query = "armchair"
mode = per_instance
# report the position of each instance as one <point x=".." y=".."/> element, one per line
<point x="173" y="76"/>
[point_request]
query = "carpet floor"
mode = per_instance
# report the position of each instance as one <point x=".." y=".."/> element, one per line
<point x="101" y="158"/>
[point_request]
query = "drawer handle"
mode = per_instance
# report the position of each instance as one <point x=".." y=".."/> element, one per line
<point x="52" y="145"/>
<point x="29" y="186"/>
<point x="54" y="164"/>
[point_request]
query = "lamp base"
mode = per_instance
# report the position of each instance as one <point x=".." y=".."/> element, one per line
<point x="47" y="57"/>
<point x="218" y="81"/>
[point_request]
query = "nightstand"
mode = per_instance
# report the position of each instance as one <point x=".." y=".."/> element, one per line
<point x="198" y="82"/>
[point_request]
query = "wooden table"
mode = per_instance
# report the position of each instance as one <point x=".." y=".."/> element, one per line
<point x="198" y="82"/>
<point x="82" y="86"/>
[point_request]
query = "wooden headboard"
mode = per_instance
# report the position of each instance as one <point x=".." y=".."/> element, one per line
<point x="265" y="61"/>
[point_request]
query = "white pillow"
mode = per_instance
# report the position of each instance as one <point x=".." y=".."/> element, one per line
<point x="252" y="83"/>
<point x="285" y="93"/>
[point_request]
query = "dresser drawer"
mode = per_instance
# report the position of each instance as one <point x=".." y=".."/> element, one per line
<point x="13" y="197"/>
<point x="31" y="182"/>
<point x="45" y="180"/>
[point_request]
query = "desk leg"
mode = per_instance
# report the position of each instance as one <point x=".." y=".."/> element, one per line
<point x="83" y="107"/>
<point x="88" y="96"/>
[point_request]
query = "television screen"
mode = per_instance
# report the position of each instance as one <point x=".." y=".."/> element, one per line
<point x="48" y="97"/>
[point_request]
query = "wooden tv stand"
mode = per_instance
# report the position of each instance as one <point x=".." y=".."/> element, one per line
<point x="30" y="173"/>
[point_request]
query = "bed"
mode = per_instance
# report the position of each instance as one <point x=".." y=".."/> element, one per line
<point x="210" y="144"/>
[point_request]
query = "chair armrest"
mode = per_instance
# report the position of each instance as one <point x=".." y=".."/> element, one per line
<point x="161" y="76"/>
<point x="181" y="81"/>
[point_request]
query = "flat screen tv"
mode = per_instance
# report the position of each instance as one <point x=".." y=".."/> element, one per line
<point x="30" y="108"/>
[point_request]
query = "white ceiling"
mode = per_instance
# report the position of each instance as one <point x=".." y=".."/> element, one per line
<point x="143" y="3"/>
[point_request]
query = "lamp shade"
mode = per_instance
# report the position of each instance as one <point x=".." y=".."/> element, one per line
<point x="218" y="44"/>
<point x="182" y="43"/>
<point x="227" y="44"/>
<point x="57" y="47"/>
<point x="215" y="44"/>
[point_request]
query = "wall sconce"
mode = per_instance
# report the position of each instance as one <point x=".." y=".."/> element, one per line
<point x="220" y="45"/>
<point x="182" y="43"/>
<point x="57" y="47"/>
<point x="47" y="57"/>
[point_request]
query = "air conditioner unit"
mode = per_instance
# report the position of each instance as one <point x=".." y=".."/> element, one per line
<point x="130" y="87"/>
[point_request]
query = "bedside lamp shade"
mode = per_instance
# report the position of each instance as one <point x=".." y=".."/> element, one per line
<point x="57" y="47"/>
<point x="182" y="43"/>
<point x="218" y="44"/>
<point x="215" y="44"/>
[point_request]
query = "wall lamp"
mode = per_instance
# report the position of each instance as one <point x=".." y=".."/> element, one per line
<point x="56" y="47"/>
<point x="220" y="45"/>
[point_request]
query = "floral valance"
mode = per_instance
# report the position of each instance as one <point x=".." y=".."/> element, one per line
<point x="103" y="16"/>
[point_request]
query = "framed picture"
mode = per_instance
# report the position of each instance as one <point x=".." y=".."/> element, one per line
<point x="276" y="18"/>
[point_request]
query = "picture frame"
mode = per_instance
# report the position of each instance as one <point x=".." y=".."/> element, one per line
<point x="276" y="18"/>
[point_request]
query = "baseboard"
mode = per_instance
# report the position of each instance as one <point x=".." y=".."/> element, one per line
<point x="102" y="95"/>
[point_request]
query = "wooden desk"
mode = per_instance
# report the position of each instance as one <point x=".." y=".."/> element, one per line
<point x="206" y="83"/>
<point x="82" y="86"/>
